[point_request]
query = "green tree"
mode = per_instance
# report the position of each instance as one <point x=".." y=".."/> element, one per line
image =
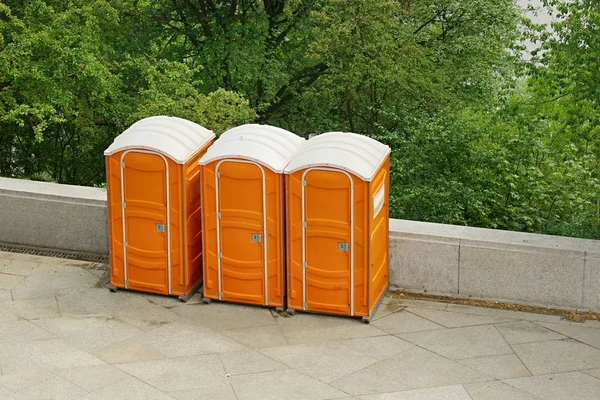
<point x="69" y="86"/>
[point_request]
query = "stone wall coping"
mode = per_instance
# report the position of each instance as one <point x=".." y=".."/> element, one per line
<point x="472" y="236"/>
<point x="53" y="191"/>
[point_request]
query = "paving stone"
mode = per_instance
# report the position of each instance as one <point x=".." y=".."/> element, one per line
<point x="415" y="368"/>
<point x="496" y="391"/>
<point x="180" y="349"/>
<point x="64" y="262"/>
<point x="170" y="340"/>
<point x="455" y="392"/>
<point x="168" y="302"/>
<point x="195" y="299"/>
<point x="498" y="367"/>
<point x="461" y="343"/>
<point x="526" y="332"/>
<point x="257" y="337"/>
<point x="128" y="351"/>
<point x="289" y="385"/>
<point x="129" y="389"/>
<point x="387" y="309"/>
<point x="20" y="381"/>
<point x="589" y="336"/>
<point x="494" y="312"/>
<point x="311" y="328"/>
<point x="557" y="356"/>
<point x="45" y="282"/>
<point x="89" y="333"/>
<point x="125" y="305"/>
<point x="404" y="322"/>
<point x="55" y="389"/>
<point x="19" y="258"/>
<point x="179" y="340"/>
<point x="378" y="347"/>
<point x="518" y="315"/>
<point x="593" y="372"/>
<point x="565" y="386"/>
<point x="33" y="309"/>
<point x="48" y="354"/>
<point x="589" y="324"/>
<point x="7" y="315"/>
<point x="432" y="305"/>
<point x="218" y="315"/>
<point x="8" y="281"/>
<point x="215" y="393"/>
<point x="368" y="381"/>
<point x="456" y="320"/>
<point x="324" y="361"/>
<point x="21" y="331"/>
<point x="250" y="361"/>
<point x="6" y="394"/>
<point x="5" y="295"/>
<point x="176" y="374"/>
<point x="93" y="378"/>
<point x="18" y="267"/>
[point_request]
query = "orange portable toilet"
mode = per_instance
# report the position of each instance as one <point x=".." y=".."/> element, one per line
<point x="338" y="227"/>
<point x="243" y="214"/>
<point x="154" y="206"/>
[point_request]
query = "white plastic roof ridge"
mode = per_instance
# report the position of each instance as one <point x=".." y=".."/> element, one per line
<point x="358" y="138"/>
<point x="346" y="147"/>
<point x="154" y="130"/>
<point x="360" y="155"/>
<point x="254" y="139"/>
<point x="330" y="138"/>
<point x="269" y="146"/>
<point x="177" y="138"/>
<point x="324" y="139"/>
<point x="185" y="127"/>
<point x="287" y="135"/>
<point x="255" y="130"/>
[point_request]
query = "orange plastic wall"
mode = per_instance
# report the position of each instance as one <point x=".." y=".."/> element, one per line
<point x="185" y="225"/>
<point x="366" y="237"/>
<point x="192" y="221"/>
<point x="379" y="238"/>
<point x="247" y="292"/>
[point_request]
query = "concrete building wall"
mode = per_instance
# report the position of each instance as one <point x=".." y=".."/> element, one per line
<point x="440" y="259"/>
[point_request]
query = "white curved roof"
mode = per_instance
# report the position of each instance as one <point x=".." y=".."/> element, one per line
<point x="176" y="138"/>
<point x="267" y="145"/>
<point x="351" y="152"/>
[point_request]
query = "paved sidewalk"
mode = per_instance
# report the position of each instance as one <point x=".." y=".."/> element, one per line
<point x="63" y="336"/>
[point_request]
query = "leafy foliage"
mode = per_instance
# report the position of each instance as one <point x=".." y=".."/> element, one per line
<point x="69" y="86"/>
<point x="479" y="137"/>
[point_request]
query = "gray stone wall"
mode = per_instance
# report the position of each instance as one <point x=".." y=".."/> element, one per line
<point x="52" y="216"/>
<point x="440" y="259"/>
<point x="498" y="265"/>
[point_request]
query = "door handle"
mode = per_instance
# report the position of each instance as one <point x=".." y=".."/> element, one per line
<point x="160" y="228"/>
<point x="257" y="237"/>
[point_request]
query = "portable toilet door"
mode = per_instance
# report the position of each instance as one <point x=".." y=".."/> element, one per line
<point x="244" y="215"/>
<point x="154" y="206"/>
<point x="338" y="225"/>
